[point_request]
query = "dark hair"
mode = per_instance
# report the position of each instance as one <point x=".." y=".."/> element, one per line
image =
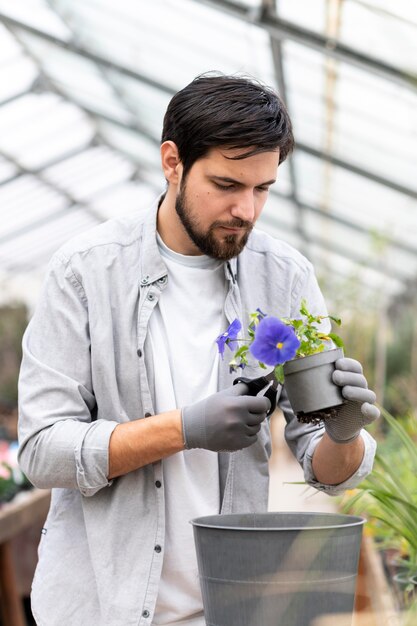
<point x="235" y="112"/>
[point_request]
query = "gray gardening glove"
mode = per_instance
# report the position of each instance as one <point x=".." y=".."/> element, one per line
<point x="226" y="421"/>
<point x="359" y="410"/>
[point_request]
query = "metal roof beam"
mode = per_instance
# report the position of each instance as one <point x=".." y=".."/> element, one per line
<point x="44" y="181"/>
<point x="264" y="18"/>
<point x="303" y="205"/>
<point x="44" y="166"/>
<point x="91" y="56"/>
<point x="331" y="217"/>
<point x="157" y="85"/>
<point x="363" y="230"/>
<point x="42" y="221"/>
<point x="330" y="246"/>
<point x="335" y="248"/>
<point x="282" y="29"/>
<point x="106" y="74"/>
<point x="356" y="169"/>
<point x="17" y="95"/>
<point x="276" y="50"/>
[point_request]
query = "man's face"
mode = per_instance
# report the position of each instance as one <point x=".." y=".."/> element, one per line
<point x="220" y="199"/>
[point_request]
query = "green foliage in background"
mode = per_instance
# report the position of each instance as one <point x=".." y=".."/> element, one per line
<point x="365" y="324"/>
<point x="388" y="496"/>
<point x="13" y="321"/>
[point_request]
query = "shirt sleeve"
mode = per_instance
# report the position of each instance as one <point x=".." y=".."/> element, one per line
<point x="61" y="444"/>
<point x="302" y="440"/>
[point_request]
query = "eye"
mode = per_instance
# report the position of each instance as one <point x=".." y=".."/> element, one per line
<point x="263" y="189"/>
<point x="224" y="187"/>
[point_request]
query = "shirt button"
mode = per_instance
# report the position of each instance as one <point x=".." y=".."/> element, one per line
<point x="145" y="613"/>
<point x="144" y="280"/>
<point x="158" y="549"/>
<point x="139" y="352"/>
<point x="148" y="414"/>
<point x="158" y="484"/>
<point x="151" y="296"/>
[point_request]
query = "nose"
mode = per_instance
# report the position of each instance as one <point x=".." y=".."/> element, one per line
<point x="244" y="206"/>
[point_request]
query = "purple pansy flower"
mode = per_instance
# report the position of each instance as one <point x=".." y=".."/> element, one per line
<point x="228" y="336"/>
<point x="274" y="342"/>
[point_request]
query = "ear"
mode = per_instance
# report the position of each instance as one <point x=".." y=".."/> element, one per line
<point x="171" y="164"/>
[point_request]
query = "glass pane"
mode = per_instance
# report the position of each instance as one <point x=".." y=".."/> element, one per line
<point x="374" y="124"/>
<point x="346" y="284"/>
<point x="137" y="147"/>
<point x="384" y="214"/>
<point x="125" y="199"/>
<point x="90" y="172"/>
<point x="251" y="3"/>
<point x="400" y="9"/>
<point x="39" y="128"/>
<point x="305" y="80"/>
<point x="24" y="201"/>
<point x="310" y="14"/>
<point x="356" y="199"/>
<point x="278" y="216"/>
<point x="361" y="246"/>
<point x="35" y="13"/>
<point x="168" y="32"/>
<point x="36" y="247"/>
<point x="147" y="104"/>
<point x="77" y="78"/>
<point x="361" y="119"/>
<point x="17" y="71"/>
<point x="369" y="29"/>
<point x="7" y="170"/>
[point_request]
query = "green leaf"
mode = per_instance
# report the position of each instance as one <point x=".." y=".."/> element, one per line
<point x="241" y="351"/>
<point x="336" y="320"/>
<point x="336" y="340"/>
<point x="303" y="307"/>
<point x="279" y="373"/>
<point x="402" y="434"/>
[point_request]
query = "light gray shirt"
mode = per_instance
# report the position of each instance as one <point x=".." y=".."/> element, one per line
<point x="87" y="367"/>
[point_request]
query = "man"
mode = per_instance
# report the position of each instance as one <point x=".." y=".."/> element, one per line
<point x="126" y="411"/>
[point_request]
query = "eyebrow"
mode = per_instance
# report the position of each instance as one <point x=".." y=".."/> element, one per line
<point x="226" y="179"/>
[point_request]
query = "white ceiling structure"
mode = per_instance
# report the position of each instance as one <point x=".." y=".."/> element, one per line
<point x="83" y="89"/>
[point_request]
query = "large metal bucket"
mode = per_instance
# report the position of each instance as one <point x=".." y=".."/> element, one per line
<point x="276" y="569"/>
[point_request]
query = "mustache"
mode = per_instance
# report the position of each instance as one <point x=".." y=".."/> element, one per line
<point x="235" y="223"/>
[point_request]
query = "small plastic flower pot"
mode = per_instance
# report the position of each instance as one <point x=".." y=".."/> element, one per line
<point x="270" y="569"/>
<point x="405" y="586"/>
<point x="395" y="563"/>
<point x="309" y="384"/>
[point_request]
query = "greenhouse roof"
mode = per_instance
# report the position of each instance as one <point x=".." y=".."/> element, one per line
<point x="84" y="85"/>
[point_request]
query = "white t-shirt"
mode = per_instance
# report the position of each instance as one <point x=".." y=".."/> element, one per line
<point x="183" y="328"/>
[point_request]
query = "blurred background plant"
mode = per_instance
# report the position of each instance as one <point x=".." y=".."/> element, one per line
<point x="12" y="479"/>
<point x="13" y="321"/>
<point x="388" y="500"/>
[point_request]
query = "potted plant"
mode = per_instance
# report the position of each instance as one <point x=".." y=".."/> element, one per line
<point x="298" y="351"/>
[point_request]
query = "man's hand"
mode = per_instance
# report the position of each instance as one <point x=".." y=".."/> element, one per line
<point x="359" y="410"/>
<point x="227" y="420"/>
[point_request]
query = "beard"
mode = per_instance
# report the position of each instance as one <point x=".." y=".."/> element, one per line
<point x="218" y="247"/>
